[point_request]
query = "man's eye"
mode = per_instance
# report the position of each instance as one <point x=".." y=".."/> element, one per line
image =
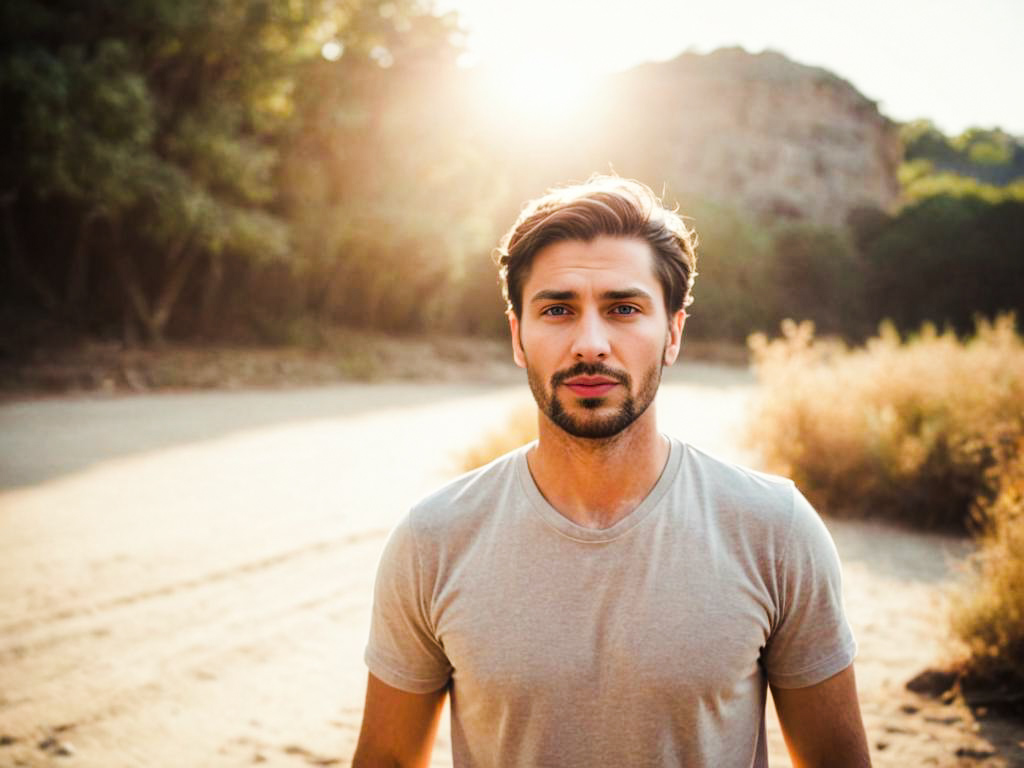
<point x="624" y="309"/>
<point x="555" y="311"/>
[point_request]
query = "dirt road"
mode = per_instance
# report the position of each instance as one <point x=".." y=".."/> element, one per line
<point x="185" y="580"/>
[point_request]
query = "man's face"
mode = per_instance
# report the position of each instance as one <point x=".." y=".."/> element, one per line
<point x="594" y="334"/>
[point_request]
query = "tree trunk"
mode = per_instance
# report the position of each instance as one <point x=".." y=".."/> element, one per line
<point x="129" y="327"/>
<point x="171" y="289"/>
<point x="127" y="275"/>
<point x="153" y="316"/>
<point x="78" y="274"/>
<point x="16" y="255"/>
<point x="211" y="290"/>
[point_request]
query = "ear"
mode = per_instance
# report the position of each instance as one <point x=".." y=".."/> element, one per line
<point x="674" y="338"/>
<point x="517" y="345"/>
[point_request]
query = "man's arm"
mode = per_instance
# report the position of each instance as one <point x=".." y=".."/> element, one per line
<point x="398" y="727"/>
<point x="822" y="723"/>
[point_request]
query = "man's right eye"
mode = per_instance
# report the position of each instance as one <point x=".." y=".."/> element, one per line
<point x="556" y="311"/>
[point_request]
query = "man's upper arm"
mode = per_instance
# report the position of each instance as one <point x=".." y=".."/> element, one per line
<point x="403" y="649"/>
<point x="822" y="724"/>
<point x="398" y="726"/>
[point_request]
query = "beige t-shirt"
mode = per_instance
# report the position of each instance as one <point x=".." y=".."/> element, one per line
<point x="647" y="643"/>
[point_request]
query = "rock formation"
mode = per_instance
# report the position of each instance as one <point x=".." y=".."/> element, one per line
<point x="758" y="132"/>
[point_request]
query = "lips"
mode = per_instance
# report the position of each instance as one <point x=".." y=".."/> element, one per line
<point x="591" y="386"/>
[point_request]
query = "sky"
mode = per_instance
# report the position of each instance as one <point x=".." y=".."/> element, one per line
<point x="954" y="62"/>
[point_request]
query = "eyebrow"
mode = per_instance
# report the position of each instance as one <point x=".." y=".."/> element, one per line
<point x="625" y="293"/>
<point x="628" y="293"/>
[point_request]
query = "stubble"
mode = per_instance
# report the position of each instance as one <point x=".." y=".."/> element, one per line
<point x="594" y="426"/>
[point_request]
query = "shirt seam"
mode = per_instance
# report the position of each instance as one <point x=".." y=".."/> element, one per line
<point x="787" y="544"/>
<point x="379" y="662"/>
<point x="848" y="650"/>
<point x="418" y="565"/>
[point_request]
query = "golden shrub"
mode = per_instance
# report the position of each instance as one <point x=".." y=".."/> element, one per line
<point x="904" y="429"/>
<point x="519" y="428"/>
<point x="989" y="614"/>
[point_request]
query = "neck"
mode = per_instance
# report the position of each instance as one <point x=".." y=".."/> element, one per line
<point x="596" y="483"/>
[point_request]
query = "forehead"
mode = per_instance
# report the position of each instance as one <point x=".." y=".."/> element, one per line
<point x="609" y="262"/>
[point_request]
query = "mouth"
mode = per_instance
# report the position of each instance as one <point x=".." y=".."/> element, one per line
<point x="591" y="386"/>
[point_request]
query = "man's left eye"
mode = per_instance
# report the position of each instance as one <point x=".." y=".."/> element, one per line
<point x="624" y="309"/>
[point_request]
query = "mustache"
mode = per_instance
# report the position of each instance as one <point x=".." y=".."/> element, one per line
<point x="589" y="369"/>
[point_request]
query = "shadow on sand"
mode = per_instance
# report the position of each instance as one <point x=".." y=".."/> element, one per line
<point x="46" y="439"/>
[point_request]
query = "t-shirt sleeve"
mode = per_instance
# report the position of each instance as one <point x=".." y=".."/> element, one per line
<point x="403" y="650"/>
<point x="811" y="639"/>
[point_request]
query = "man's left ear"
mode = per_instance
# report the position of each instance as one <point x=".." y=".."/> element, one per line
<point x="674" y="337"/>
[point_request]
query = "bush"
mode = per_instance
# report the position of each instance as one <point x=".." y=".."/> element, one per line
<point x="906" y="430"/>
<point x="989" y="618"/>
<point x="519" y="428"/>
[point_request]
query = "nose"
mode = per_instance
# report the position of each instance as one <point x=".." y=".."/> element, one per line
<point x="591" y="340"/>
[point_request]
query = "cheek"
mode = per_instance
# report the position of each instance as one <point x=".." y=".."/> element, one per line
<point x="654" y="338"/>
<point x="540" y="342"/>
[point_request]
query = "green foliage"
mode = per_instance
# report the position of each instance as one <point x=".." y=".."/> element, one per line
<point x="181" y="128"/>
<point x="906" y="430"/>
<point x="733" y="294"/>
<point x="920" y="183"/>
<point x="389" y="204"/>
<point x="945" y="259"/>
<point x="81" y="124"/>
<point x="989" y="156"/>
<point x="986" y="148"/>
<point x="212" y="145"/>
<point x="922" y="140"/>
<point x="953" y="251"/>
<point x="753" y="274"/>
<point x="151" y="118"/>
<point x="177" y="166"/>
<point x="817" y="274"/>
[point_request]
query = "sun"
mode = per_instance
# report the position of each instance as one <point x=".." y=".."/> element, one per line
<point x="534" y="89"/>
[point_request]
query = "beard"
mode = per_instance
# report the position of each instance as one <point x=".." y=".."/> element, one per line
<point x="594" y="426"/>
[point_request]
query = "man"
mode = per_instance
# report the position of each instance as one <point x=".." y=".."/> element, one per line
<point x="607" y="596"/>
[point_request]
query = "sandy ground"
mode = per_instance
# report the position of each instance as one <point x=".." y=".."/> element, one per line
<point x="185" y="580"/>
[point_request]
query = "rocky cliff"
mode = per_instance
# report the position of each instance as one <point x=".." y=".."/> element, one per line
<point x="758" y="131"/>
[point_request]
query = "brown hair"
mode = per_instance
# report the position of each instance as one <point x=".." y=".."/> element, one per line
<point x="603" y="205"/>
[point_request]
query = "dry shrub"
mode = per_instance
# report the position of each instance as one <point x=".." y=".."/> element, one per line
<point x="903" y="429"/>
<point x="989" y="616"/>
<point x="519" y="428"/>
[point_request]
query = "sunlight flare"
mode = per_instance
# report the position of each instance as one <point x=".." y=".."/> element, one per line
<point x="541" y="88"/>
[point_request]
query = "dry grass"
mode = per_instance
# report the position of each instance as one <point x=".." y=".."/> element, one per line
<point x="989" y="615"/>
<point x="906" y="430"/>
<point x="927" y="431"/>
<point x="519" y="428"/>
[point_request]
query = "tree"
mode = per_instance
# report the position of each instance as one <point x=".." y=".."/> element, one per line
<point x="990" y="156"/>
<point x="154" y="121"/>
<point x="946" y="259"/>
<point x="195" y="140"/>
<point x="818" y="276"/>
<point x="383" y="179"/>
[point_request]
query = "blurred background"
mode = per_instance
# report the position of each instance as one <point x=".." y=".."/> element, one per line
<point x="259" y="172"/>
<point x="259" y="195"/>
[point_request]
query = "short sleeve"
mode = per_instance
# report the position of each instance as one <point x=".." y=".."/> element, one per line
<point x="811" y="639"/>
<point x="402" y="650"/>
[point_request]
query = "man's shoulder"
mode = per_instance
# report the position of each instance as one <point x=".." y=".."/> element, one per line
<point x="752" y="511"/>
<point x="469" y="497"/>
<point x="715" y="474"/>
<point x="750" y="500"/>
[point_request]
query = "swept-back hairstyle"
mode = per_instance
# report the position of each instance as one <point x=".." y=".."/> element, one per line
<point x="604" y="205"/>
